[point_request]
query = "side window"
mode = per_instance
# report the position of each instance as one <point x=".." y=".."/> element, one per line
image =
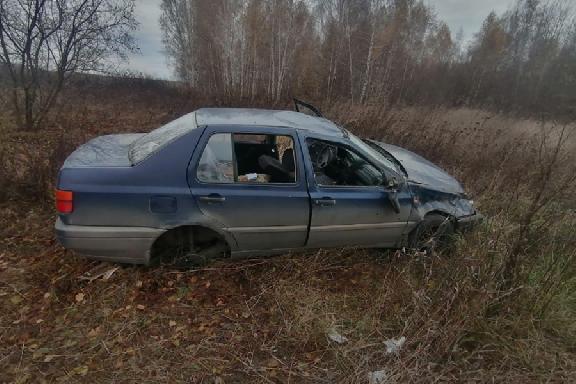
<point x="216" y="164"/>
<point x="248" y="158"/>
<point x="335" y="165"/>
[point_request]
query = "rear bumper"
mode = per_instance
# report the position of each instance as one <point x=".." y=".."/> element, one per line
<point x="466" y="223"/>
<point x="118" y="244"/>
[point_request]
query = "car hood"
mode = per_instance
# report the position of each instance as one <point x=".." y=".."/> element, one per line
<point x="421" y="171"/>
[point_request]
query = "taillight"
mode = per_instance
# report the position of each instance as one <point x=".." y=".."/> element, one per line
<point x="64" y="201"/>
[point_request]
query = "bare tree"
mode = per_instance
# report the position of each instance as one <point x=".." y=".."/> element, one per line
<point x="44" y="42"/>
<point x="393" y="51"/>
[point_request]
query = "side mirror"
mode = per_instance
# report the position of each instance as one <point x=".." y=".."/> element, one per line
<point x="392" y="193"/>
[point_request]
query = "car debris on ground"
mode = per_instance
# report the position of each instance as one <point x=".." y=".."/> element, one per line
<point x="394" y="345"/>
<point x="335" y="336"/>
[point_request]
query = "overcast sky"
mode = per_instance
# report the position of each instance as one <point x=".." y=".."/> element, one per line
<point x="465" y="14"/>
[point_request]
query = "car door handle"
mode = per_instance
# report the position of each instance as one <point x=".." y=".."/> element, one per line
<point x="212" y="198"/>
<point x="325" y="201"/>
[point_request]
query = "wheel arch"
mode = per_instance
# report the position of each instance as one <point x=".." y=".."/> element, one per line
<point x="424" y="224"/>
<point x="197" y="232"/>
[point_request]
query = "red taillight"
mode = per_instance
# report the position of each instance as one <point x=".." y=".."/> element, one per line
<point x="64" y="201"/>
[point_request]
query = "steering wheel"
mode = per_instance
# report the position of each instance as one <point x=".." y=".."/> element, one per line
<point x="322" y="155"/>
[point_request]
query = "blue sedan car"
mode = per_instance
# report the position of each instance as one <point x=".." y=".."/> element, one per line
<point x="222" y="182"/>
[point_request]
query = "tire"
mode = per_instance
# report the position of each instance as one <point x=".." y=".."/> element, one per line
<point x="433" y="233"/>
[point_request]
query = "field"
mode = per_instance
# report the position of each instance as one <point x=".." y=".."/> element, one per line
<point x="498" y="307"/>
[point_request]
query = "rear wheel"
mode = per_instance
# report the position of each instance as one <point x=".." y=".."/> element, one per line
<point x="433" y="233"/>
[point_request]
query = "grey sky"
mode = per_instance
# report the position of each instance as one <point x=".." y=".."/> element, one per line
<point x="151" y="60"/>
<point x="465" y="14"/>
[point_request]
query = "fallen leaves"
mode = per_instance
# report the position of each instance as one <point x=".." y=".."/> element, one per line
<point x="49" y="358"/>
<point x="272" y="363"/>
<point x="79" y="297"/>
<point x="81" y="370"/>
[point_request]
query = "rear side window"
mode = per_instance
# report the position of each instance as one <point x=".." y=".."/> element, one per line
<point x="247" y="158"/>
<point x="216" y="164"/>
<point x="159" y="138"/>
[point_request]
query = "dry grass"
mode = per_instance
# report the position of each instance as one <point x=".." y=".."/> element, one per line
<point x="266" y="320"/>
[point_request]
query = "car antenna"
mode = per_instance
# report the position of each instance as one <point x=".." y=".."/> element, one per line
<point x="298" y="103"/>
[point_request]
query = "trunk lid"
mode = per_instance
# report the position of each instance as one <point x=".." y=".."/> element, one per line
<point x="103" y="151"/>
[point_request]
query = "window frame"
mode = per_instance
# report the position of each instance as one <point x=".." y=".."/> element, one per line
<point x="290" y="134"/>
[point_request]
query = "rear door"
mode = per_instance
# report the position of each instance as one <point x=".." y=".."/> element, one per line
<point x="350" y="206"/>
<point x="251" y="181"/>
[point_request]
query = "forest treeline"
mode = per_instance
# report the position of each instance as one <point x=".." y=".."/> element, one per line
<point x="385" y="51"/>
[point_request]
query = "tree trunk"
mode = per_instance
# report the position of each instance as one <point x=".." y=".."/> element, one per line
<point x="350" y="63"/>
<point x="364" y="94"/>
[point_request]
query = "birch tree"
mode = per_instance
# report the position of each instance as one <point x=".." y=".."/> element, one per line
<point x="384" y="51"/>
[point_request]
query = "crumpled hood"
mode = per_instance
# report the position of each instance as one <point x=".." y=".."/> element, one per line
<point x="422" y="171"/>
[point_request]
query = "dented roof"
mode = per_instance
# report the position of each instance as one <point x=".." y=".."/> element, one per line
<point x="268" y="118"/>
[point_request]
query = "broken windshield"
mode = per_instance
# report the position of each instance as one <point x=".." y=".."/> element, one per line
<point x="376" y="155"/>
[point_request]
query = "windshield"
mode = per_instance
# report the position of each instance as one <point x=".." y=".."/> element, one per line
<point x="375" y="154"/>
<point x="158" y="138"/>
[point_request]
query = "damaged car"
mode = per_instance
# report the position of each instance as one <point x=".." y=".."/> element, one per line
<point x="228" y="182"/>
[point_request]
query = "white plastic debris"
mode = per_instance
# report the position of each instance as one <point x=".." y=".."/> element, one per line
<point x="108" y="274"/>
<point x="102" y="270"/>
<point x="335" y="336"/>
<point x="377" y="377"/>
<point x="394" y="345"/>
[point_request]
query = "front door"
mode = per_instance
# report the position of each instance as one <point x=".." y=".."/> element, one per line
<point x="251" y="182"/>
<point x="349" y="204"/>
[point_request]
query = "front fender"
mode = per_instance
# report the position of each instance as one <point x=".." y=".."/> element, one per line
<point x="427" y="200"/>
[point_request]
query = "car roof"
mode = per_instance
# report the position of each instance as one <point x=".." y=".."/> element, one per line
<point x="268" y="118"/>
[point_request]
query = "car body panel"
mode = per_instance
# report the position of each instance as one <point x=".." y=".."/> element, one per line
<point x="266" y="118"/>
<point x="121" y="244"/>
<point x="258" y="216"/>
<point x="121" y="196"/>
<point x="121" y="208"/>
<point x="361" y="216"/>
<point x="422" y="171"/>
<point x="103" y="151"/>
